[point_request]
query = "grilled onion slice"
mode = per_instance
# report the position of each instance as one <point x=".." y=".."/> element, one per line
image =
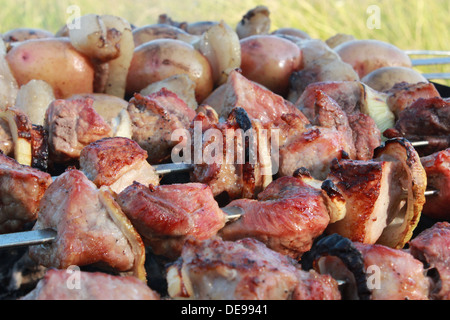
<point x="124" y="224"/>
<point x="20" y="127"/>
<point x="405" y="216"/>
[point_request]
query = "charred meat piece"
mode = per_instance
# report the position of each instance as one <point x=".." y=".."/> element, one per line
<point x="233" y="157"/>
<point x="431" y="247"/>
<point x="243" y="270"/>
<point x="154" y="118"/>
<point x="366" y="135"/>
<point x="91" y="228"/>
<point x="369" y="272"/>
<point x="313" y="147"/>
<point x="396" y="274"/>
<point x="117" y="162"/>
<point x="424" y="120"/>
<point x="21" y="190"/>
<point x="258" y="102"/>
<point x="287" y="216"/>
<point x="320" y="107"/>
<point x="403" y="94"/>
<point x="166" y="215"/>
<point x="347" y="94"/>
<point x="437" y="168"/>
<point x="384" y="196"/>
<point x="39" y="148"/>
<point x="367" y="187"/>
<point x="56" y="285"/>
<point x="72" y="124"/>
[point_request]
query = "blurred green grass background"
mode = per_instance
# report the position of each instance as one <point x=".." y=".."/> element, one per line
<point x="408" y="24"/>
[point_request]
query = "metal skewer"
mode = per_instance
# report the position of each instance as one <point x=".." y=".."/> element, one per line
<point x="38" y="237"/>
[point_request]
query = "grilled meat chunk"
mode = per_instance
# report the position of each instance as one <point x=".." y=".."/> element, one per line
<point x="89" y="286"/>
<point x="117" y="162"/>
<point x="370" y="272"/>
<point x="384" y="196"/>
<point x="154" y="118"/>
<point x="367" y="187"/>
<point x="287" y="216"/>
<point x="72" y="124"/>
<point x="21" y="190"/>
<point x="396" y="274"/>
<point x="424" y="120"/>
<point x="243" y="270"/>
<point x="90" y="226"/>
<point x="431" y="247"/>
<point x="403" y="94"/>
<point x="166" y="215"/>
<point x="258" y="102"/>
<point x="437" y="168"/>
<point x="337" y="105"/>
<point x="234" y="157"/>
<point x="313" y="147"/>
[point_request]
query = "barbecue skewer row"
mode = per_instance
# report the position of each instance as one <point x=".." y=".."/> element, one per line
<point x="36" y="237"/>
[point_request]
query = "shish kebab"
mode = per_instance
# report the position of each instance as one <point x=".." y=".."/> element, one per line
<point x="237" y="78"/>
<point x="35" y="237"/>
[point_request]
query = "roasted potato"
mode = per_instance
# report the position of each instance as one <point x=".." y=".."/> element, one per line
<point x="292" y="32"/>
<point x="385" y="78"/>
<point x="270" y="60"/>
<point x="161" y="31"/>
<point x="8" y="84"/>
<point x="108" y="41"/>
<point x="22" y="34"/>
<point x="367" y="55"/>
<point x="161" y="58"/>
<point x="53" y="60"/>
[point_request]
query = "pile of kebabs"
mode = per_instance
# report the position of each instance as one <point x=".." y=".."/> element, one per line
<point x="321" y="201"/>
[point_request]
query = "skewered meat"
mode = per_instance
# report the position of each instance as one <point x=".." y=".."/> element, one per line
<point x="313" y="147"/>
<point x="243" y="270"/>
<point x="431" y="247"/>
<point x="338" y="104"/>
<point x="155" y="117"/>
<point x="327" y="113"/>
<point x="21" y="190"/>
<point x="384" y="196"/>
<point x="401" y="276"/>
<point x="72" y="124"/>
<point x="367" y="187"/>
<point x="347" y="94"/>
<point x="437" y="167"/>
<point x="117" y="162"/>
<point x="403" y="94"/>
<point x="166" y="215"/>
<point x="91" y="228"/>
<point x="66" y="285"/>
<point x="258" y="102"/>
<point x="287" y="216"/>
<point x="424" y="120"/>
<point x="234" y="157"/>
<point x="369" y="271"/>
<point x="411" y="176"/>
